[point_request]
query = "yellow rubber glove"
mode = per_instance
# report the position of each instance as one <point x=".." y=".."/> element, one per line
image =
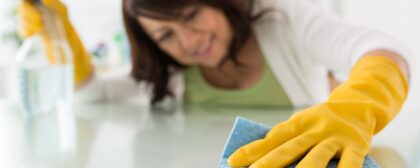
<point x="32" y="23"/>
<point x="342" y="127"/>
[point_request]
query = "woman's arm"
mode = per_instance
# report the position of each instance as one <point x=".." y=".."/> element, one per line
<point x="116" y="86"/>
<point x="332" y="43"/>
<point x="344" y="125"/>
<point x="397" y="58"/>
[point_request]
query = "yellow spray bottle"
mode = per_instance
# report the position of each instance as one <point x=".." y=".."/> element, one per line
<point x="46" y="67"/>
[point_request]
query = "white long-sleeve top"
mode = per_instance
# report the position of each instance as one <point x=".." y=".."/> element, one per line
<point x="301" y="42"/>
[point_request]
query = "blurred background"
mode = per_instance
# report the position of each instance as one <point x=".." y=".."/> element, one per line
<point x="93" y="130"/>
<point x="99" y="24"/>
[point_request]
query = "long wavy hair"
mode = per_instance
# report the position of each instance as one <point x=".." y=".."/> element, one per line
<point x="152" y="65"/>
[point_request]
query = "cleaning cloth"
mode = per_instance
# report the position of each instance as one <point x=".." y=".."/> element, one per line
<point x="245" y="131"/>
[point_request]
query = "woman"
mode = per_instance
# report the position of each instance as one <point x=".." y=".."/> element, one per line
<point x="262" y="53"/>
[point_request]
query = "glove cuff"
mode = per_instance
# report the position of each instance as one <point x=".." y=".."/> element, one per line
<point x="377" y="87"/>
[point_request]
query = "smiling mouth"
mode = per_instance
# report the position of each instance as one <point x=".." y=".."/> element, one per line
<point x="205" y="49"/>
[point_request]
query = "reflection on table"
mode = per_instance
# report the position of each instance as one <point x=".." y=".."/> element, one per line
<point x="110" y="135"/>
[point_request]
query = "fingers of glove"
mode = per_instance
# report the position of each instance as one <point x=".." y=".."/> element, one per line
<point x="31" y="20"/>
<point x="351" y="158"/>
<point x="320" y="155"/>
<point x="253" y="151"/>
<point x="286" y="153"/>
<point x="29" y="30"/>
<point x="56" y="5"/>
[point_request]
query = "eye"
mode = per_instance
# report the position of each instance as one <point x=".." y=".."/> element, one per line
<point x="192" y="15"/>
<point x="167" y="35"/>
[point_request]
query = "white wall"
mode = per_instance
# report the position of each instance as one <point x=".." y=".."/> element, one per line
<point x="95" y="20"/>
<point x="398" y="18"/>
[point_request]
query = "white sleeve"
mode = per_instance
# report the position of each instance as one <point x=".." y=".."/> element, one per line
<point x="115" y="87"/>
<point x="331" y="42"/>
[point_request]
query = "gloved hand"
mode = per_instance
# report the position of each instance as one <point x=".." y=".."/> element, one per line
<point x="342" y="127"/>
<point x="32" y="23"/>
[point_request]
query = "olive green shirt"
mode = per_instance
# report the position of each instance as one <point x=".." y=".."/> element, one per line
<point x="267" y="92"/>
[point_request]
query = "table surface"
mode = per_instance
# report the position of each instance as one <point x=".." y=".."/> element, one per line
<point x="111" y="135"/>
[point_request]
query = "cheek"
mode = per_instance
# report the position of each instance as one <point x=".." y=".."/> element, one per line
<point x="225" y="29"/>
<point x="220" y="26"/>
<point x="177" y="54"/>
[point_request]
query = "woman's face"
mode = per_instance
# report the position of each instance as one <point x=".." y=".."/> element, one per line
<point x="202" y="36"/>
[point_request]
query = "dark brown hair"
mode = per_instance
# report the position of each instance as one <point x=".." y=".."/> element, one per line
<point x="154" y="66"/>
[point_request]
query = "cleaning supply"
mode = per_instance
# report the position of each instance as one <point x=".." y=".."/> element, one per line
<point x="245" y="131"/>
<point x="36" y="15"/>
<point x="342" y="126"/>
<point x="46" y="71"/>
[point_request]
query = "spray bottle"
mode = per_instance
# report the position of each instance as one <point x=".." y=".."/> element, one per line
<point x="46" y="67"/>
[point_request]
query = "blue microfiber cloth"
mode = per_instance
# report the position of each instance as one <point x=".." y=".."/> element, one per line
<point x="245" y="131"/>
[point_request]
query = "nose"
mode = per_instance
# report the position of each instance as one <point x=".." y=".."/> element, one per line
<point x="189" y="38"/>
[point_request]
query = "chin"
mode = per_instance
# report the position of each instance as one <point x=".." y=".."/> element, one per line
<point x="213" y="61"/>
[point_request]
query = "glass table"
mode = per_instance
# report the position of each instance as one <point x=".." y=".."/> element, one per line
<point x="116" y="135"/>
